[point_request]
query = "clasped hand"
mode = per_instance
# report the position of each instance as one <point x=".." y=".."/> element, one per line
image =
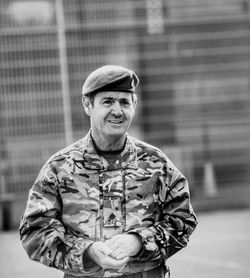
<point x="114" y="253"/>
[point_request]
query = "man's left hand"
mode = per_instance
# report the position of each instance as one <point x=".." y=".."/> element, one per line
<point x="124" y="245"/>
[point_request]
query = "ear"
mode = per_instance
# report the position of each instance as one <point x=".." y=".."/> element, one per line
<point x="134" y="99"/>
<point x="86" y="105"/>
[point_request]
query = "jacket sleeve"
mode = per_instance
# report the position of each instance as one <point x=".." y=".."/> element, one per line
<point x="43" y="234"/>
<point x="176" y="222"/>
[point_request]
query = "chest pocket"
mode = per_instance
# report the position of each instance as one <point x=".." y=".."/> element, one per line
<point x="112" y="214"/>
<point x="113" y="203"/>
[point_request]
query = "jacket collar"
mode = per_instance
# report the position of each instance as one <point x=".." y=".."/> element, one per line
<point x="92" y="160"/>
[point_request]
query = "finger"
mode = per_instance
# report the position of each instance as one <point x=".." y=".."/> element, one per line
<point x="120" y="256"/>
<point x="122" y="263"/>
<point x="104" y="248"/>
<point x="116" y="250"/>
<point x="113" y="244"/>
<point x="97" y="252"/>
<point x="124" y="260"/>
<point x="105" y="261"/>
<point x="117" y="253"/>
<point x="115" y="238"/>
<point x="125" y="264"/>
<point x="109" y="243"/>
<point x="109" y="263"/>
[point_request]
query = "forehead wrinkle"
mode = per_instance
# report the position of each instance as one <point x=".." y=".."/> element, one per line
<point x="116" y="96"/>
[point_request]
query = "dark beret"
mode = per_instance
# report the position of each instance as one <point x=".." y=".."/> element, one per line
<point x="110" y="78"/>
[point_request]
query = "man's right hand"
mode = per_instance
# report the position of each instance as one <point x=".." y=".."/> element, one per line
<point x="100" y="253"/>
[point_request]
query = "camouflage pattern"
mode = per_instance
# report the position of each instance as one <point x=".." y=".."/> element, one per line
<point x="79" y="197"/>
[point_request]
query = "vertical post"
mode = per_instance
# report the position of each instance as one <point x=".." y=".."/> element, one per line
<point x="209" y="182"/>
<point x="3" y="166"/>
<point x="6" y="198"/>
<point x="64" y="72"/>
<point x="155" y="17"/>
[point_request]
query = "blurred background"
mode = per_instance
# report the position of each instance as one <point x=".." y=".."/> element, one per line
<point x="193" y="61"/>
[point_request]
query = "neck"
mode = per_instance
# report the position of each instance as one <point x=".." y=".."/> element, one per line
<point x="110" y="144"/>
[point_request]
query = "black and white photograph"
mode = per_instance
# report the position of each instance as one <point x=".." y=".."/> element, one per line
<point x="124" y="138"/>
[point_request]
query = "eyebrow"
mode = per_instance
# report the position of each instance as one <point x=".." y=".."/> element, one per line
<point x="114" y="98"/>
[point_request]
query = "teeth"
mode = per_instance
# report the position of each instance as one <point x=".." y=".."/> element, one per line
<point x="115" y="122"/>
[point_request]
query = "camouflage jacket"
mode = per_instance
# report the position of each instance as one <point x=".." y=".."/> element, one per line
<point x="78" y="198"/>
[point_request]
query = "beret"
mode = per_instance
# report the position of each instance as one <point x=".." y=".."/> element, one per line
<point x="110" y="78"/>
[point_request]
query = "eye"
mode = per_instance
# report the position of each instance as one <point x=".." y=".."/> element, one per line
<point x="107" y="102"/>
<point x="125" y="102"/>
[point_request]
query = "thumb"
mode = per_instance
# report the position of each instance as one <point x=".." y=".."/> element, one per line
<point x="124" y="262"/>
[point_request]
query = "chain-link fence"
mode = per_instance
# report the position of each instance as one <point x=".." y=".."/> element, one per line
<point x="192" y="57"/>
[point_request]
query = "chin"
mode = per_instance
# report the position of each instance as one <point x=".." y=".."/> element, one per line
<point x="116" y="133"/>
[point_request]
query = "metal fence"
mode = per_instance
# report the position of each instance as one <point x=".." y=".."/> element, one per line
<point x="192" y="57"/>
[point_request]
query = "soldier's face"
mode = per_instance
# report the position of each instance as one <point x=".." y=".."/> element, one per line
<point x="111" y="114"/>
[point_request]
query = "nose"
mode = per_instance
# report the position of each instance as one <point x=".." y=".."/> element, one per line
<point x="116" y="109"/>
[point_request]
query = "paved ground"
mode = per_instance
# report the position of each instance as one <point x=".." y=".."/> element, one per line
<point x="219" y="248"/>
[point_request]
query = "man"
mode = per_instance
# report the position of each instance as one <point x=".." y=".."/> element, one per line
<point x="108" y="205"/>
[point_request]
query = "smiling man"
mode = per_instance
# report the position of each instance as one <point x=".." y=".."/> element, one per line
<point x="108" y="205"/>
<point x="110" y="114"/>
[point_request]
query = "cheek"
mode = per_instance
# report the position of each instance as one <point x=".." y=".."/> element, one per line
<point x="97" y="115"/>
<point x="99" y="120"/>
<point x="95" y="120"/>
<point x="130" y="114"/>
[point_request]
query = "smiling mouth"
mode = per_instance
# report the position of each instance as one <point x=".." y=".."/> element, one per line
<point x="116" y="122"/>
